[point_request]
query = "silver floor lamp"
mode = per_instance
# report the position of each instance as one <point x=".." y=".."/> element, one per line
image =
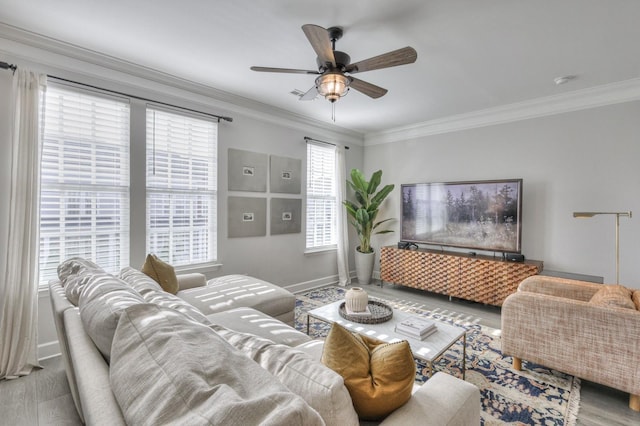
<point x="617" y="215"/>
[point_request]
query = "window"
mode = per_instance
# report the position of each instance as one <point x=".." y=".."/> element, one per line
<point x="321" y="196"/>
<point x="84" y="195"/>
<point x="181" y="187"/>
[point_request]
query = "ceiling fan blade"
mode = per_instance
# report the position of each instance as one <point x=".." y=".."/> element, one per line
<point x="406" y="55"/>
<point x="285" y="70"/>
<point x="319" y="39"/>
<point x="310" y="95"/>
<point x="368" y="89"/>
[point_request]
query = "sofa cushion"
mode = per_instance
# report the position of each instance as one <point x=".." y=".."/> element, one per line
<point x="168" y="369"/>
<point x="140" y="282"/>
<point x="248" y="320"/>
<point x="322" y="388"/>
<point x="151" y="292"/>
<point x="161" y="272"/>
<point x="235" y="291"/>
<point x="75" y="266"/>
<point x="101" y="302"/>
<point x="613" y="295"/>
<point x="378" y="375"/>
<point x="75" y="284"/>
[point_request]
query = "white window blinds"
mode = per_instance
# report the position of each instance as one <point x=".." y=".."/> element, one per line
<point x="181" y="187"/>
<point x="321" y="196"/>
<point x="84" y="194"/>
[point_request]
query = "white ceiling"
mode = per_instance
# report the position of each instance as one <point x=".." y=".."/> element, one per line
<point x="472" y="55"/>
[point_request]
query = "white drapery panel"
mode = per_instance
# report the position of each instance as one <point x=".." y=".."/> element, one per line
<point x="19" y="285"/>
<point x="342" y="222"/>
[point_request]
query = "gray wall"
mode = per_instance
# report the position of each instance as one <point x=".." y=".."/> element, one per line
<point x="280" y="258"/>
<point x="580" y="161"/>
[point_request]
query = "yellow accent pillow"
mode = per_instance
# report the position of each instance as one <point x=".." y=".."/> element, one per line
<point x="636" y="299"/>
<point x="613" y="295"/>
<point x="162" y="273"/>
<point x="378" y="375"/>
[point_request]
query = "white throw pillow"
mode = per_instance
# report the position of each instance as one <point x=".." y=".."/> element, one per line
<point x="102" y="300"/>
<point x="151" y="292"/>
<point x="167" y="369"/>
<point x="75" y="266"/>
<point x="322" y="388"/>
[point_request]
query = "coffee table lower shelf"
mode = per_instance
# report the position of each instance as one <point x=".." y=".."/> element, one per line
<point x="428" y="351"/>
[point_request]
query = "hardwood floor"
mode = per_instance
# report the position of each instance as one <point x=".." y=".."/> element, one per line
<point x="41" y="398"/>
<point x="44" y="398"/>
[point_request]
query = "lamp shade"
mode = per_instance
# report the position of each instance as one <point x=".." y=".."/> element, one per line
<point x="332" y="86"/>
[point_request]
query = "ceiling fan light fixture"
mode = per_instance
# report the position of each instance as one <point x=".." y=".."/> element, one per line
<point x="332" y="85"/>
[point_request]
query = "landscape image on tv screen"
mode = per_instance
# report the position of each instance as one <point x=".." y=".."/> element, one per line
<point x="484" y="215"/>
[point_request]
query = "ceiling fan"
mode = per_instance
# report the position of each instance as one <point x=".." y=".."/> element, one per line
<point x="334" y="67"/>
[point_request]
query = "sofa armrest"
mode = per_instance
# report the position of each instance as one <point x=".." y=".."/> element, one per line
<point x="560" y="287"/>
<point x="597" y="343"/>
<point x="99" y="405"/>
<point x="442" y="400"/>
<point x="194" y="279"/>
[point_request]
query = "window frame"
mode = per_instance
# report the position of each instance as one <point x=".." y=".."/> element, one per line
<point x="317" y="152"/>
<point x="211" y="192"/>
<point x="136" y="243"/>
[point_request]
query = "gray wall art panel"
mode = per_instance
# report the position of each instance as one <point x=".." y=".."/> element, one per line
<point x="286" y="216"/>
<point x="247" y="171"/>
<point x="247" y="217"/>
<point x="285" y="175"/>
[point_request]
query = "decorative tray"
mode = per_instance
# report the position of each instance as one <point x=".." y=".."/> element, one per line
<point x="380" y="312"/>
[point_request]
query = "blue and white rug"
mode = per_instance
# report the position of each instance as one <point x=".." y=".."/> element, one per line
<point x="534" y="396"/>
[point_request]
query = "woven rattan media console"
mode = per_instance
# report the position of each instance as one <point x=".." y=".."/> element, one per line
<point x="482" y="279"/>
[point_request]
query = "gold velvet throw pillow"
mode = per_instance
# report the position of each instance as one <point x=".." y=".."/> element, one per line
<point x="613" y="295"/>
<point x="162" y="273"/>
<point x="378" y="375"/>
<point x="636" y="299"/>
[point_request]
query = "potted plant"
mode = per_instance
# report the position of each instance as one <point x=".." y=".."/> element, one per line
<point x="363" y="214"/>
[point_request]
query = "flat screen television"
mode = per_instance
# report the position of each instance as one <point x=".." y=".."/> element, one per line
<point x="482" y="215"/>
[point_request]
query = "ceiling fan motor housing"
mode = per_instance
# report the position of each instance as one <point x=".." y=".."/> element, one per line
<point x="341" y="58"/>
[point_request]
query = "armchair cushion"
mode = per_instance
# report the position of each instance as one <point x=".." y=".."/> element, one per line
<point x="613" y="295"/>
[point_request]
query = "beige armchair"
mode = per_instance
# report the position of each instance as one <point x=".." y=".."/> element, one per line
<point x="550" y="321"/>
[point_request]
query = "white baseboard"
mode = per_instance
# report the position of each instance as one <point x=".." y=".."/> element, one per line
<point x="48" y="350"/>
<point x="317" y="283"/>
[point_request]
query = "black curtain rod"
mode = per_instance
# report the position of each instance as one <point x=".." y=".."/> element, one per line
<point x="115" y="92"/>
<point x="307" y="138"/>
<point x="12" y="67"/>
<point x="6" y="66"/>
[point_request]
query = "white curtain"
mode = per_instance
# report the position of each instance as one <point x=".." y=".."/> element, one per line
<point x="341" y="218"/>
<point x="19" y="280"/>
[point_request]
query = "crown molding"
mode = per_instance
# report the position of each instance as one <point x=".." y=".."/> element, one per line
<point x="53" y="55"/>
<point x="614" y="93"/>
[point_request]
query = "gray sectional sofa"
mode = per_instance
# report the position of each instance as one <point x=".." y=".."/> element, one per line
<point x="218" y="352"/>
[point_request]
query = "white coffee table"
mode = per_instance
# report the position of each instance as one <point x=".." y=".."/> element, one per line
<point x="428" y="350"/>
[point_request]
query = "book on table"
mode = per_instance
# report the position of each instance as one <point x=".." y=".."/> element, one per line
<point x="420" y="337"/>
<point x="416" y="327"/>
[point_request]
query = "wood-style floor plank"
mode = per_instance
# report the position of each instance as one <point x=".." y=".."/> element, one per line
<point x="44" y="398"/>
<point x="19" y="402"/>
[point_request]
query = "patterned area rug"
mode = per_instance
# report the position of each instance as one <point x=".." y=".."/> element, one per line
<point x="534" y="396"/>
